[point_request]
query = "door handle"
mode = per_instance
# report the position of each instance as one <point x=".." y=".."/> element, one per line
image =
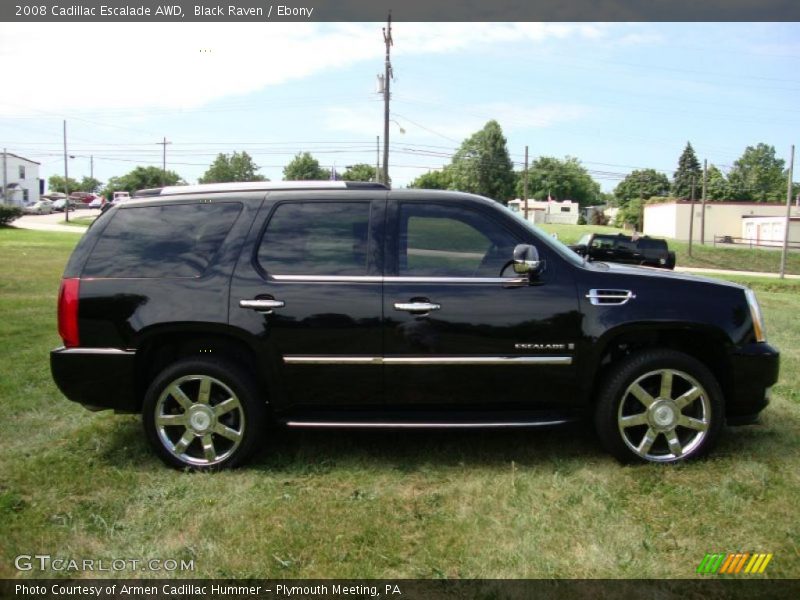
<point x="263" y="306"/>
<point x="417" y="307"/>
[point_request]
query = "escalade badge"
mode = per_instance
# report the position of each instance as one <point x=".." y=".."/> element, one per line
<point x="544" y="346"/>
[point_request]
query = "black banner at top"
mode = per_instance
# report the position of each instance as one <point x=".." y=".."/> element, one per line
<point x="405" y="10"/>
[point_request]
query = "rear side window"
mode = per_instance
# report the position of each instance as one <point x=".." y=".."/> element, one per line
<point x="174" y="240"/>
<point x="316" y="238"/>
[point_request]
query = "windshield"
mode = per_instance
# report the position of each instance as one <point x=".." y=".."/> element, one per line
<point x="551" y="242"/>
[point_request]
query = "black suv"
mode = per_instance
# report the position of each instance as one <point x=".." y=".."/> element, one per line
<point x="216" y="309"/>
<point x="620" y="248"/>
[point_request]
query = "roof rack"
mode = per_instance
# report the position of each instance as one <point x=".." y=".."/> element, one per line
<point x="257" y="186"/>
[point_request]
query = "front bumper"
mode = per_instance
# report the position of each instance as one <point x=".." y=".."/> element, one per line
<point x="98" y="378"/>
<point x="755" y="370"/>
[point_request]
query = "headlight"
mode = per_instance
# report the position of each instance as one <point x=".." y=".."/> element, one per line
<point x="755" y="313"/>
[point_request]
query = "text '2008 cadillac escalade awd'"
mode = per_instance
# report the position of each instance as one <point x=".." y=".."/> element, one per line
<point x="215" y="309"/>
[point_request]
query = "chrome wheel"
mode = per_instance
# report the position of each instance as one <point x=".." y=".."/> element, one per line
<point x="199" y="420"/>
<point x="664" y="415"/>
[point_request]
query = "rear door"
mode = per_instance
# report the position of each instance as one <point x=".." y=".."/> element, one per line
<point x="308" y="289"/>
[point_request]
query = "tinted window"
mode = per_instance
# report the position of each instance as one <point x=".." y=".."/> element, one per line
<point x="603" y="243"/>
<point x="177" y="240"/>
<point x="451" y="241"/>
<point x="316" y="238"/>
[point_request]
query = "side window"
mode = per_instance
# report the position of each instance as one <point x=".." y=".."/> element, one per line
<point x="316" y="238"/>
<point x="22" y="171"/>
<point x="451" y="241"/>
<point x="174" y="240"/>
<point x="603" y="243"/>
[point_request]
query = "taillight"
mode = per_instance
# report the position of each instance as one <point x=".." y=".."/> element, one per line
<point x="68" y="312"/>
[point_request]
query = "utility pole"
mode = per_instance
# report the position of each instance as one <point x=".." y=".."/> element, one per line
<point x="387" y="39"/>
<point x="691" y="219"/>
<point x="788" y="215"/>
<point x="66" y="175"/>
<point x="5" y="176"/>
<point x="378" y="158"/>
<point x="163" y="160"/>
<point x="525" y="185"/>
<point x="91" y="166"/>
<point x="703" y="214"/>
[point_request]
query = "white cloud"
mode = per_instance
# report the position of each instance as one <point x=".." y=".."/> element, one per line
<point x="163" y="65"/>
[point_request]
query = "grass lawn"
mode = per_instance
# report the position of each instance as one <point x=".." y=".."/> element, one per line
<point x="524" y="504"/>
<point x="78" y="221"/>
<point x="704" y="256"/>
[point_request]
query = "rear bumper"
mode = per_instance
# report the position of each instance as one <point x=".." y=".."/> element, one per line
<point x="98" y="378"/>
<point x="755" y="371"/>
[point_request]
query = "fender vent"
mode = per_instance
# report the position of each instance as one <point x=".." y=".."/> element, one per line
<point x="609" y="297"/>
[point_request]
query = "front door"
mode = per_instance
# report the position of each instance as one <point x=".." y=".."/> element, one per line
<point x="462" y="330"/>
<point x="308" y="289"/>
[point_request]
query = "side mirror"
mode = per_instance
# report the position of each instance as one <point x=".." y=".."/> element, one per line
<point x="526" y="259"/>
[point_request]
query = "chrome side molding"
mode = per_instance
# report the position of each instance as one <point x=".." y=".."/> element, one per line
<point x="427" y="360"/>
<point x="424" y="424"/>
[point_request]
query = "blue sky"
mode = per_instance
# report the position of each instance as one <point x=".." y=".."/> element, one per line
<point x="616" y="96"/>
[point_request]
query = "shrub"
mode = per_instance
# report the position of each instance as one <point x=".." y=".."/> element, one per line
<point x="9" y="213"/>
<point x="598" y="218"/>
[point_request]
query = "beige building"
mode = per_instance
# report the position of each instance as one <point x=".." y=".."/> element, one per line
<point x="671" y="219"/>
<point x="768" y="231"/>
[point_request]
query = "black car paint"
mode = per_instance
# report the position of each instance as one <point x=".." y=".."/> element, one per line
<point x="324" y="318"/>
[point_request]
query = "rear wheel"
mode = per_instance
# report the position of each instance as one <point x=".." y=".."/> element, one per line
<point x="659" y="406"/>
<point x="202" y="414"/>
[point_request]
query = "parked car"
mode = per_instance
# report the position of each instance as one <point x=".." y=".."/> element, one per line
<point x="60" y="205"/>
<point x="42" y="207"/>
<point x="97" y="202"/>
<point x="625" y="249"/>
<point x="214" y="309"/>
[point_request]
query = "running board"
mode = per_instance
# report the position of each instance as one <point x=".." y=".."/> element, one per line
<point x="423" y="425"/>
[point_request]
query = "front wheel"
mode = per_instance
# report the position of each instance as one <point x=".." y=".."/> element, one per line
<point x="203" y="414"/>
<point x="659" y="406"/>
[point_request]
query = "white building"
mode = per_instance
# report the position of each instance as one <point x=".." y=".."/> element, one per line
<point x="548" y="211"/>
<point x="671" y="219"/>
<point x="21" y="180"/>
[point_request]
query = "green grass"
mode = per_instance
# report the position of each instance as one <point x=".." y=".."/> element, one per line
<point x="703" y="256"/>
<point x="78" y="221"/>
<point x="365" y="504"/>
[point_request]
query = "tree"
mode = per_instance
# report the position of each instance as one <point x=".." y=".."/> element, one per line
<point x="359" y="172"/>
<point x="631" y="214"/>
<point x="643" y="183"/>
<point x="561" y="180"/>
<point x="717" y="187"/>
<point x="688" y="170"/>
<point x="231" y="167"/>
<point x="304" y="167"/>
<point x="142" y="178"/>
<point x="758" y="175"/>
<point x="90" y="184"/>
<point x="433" y="180"/>
<point x="55" y="183"/>
<point x="482" y="165"/>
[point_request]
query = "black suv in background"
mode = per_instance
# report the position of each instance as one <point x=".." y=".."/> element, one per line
<point x="216" y="309"/>
<point x="625" y="249"/>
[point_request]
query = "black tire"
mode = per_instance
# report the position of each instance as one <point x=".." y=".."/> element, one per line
<point x="192" y="429"/>
<point x="641" y="424"/>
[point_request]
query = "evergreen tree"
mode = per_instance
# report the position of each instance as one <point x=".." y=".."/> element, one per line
<point x="688" y="169"/>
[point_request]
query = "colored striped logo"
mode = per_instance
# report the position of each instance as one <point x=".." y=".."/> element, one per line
<point x="734" y="563"/>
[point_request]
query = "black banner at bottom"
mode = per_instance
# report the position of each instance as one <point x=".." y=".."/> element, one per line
<point x="400" y="589"/>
